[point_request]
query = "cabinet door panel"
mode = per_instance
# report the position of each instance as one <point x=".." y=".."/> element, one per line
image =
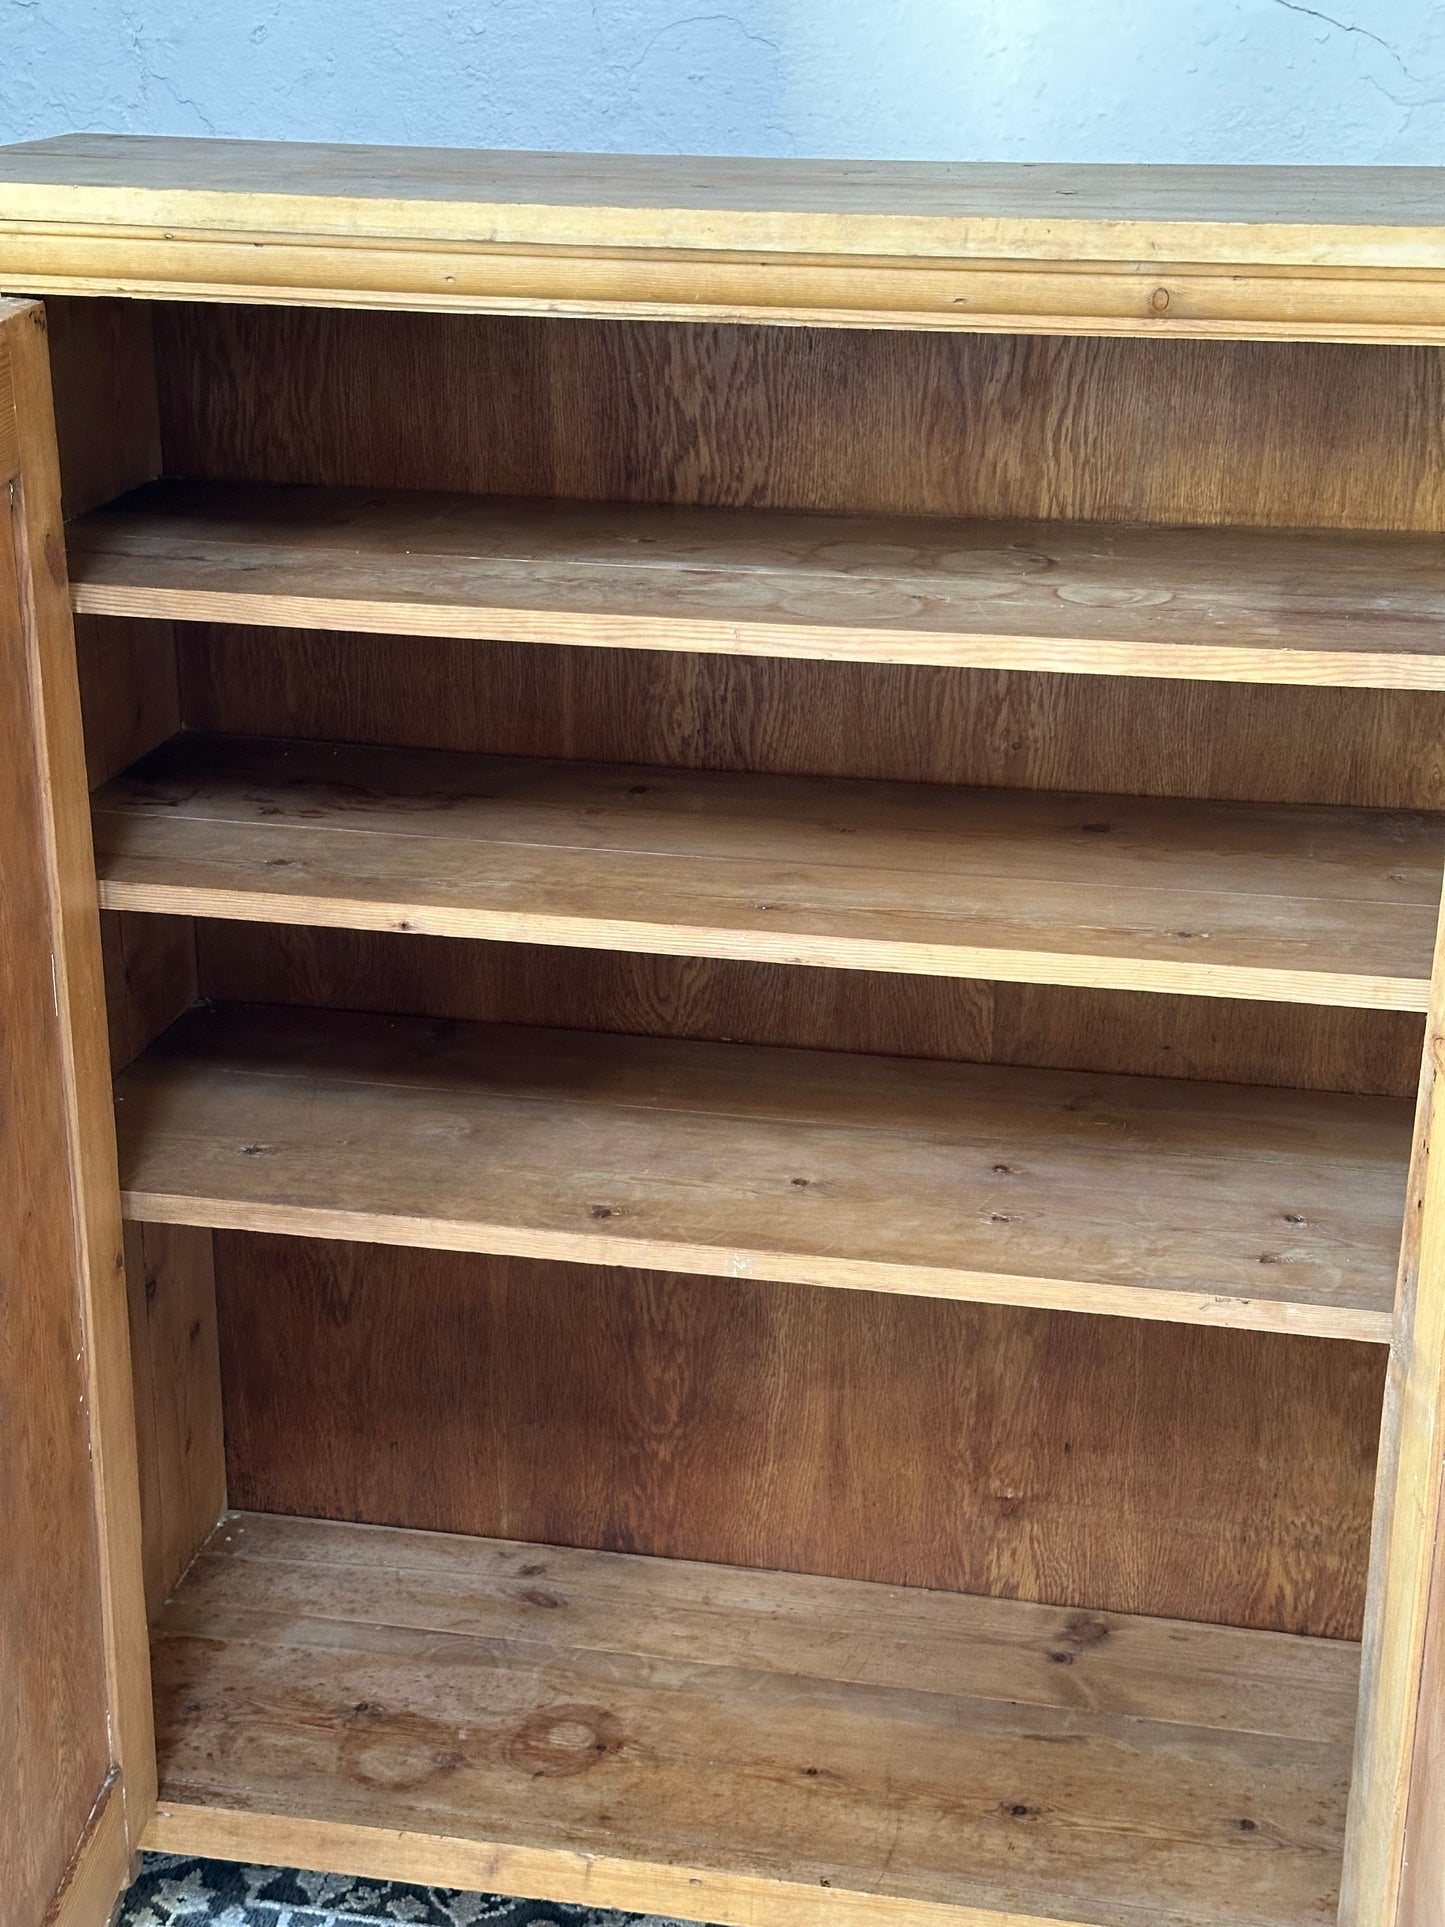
<point x="76" y="1754"/>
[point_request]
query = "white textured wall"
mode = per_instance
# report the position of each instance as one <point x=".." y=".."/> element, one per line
<point x="1117" y="80"/>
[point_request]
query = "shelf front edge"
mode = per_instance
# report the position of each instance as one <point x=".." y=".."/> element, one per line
<point x="561" y="1875"/>
<point x="1337" y="989"/>
<point x="1169" y="1304"/>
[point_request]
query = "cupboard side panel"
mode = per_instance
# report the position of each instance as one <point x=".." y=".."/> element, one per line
<point x="1396" y="1729"/>
<point x="179" y="1425"/>
<point x="70" y="931"/>
<point x="1422" y="1892"/>
<point x="103" y="376"/>
<point x="52" y="1654"/>
<point x="64" y="1656"/>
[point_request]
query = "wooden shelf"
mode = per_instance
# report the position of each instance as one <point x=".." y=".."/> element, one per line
<point x="1323" y="906"/>
<point x="1206" y="1203"/>
<point x="736" y="1746"/>
<point x="1240" y="605"/>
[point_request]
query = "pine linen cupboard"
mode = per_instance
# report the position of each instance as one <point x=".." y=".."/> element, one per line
<point x="720" y="896"/>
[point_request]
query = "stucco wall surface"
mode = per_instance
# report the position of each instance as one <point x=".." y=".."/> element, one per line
<point x="1116" y="80"/>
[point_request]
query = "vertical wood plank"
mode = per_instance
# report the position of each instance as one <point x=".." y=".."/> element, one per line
<point x="1422" y="1891"/>
<point x="54" y="1748"/>
<point x="103" y="378"/>
<point x="1408" y="1512"/>
<point x="128" y="691"/>
<point x="73" y="932"/>
<point x="179" y="1434"/>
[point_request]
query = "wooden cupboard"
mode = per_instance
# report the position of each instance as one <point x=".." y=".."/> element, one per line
<point x="721" y="1005"/>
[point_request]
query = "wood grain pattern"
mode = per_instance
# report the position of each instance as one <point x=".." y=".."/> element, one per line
<point x="1212" y="1203"/>
<point x="1273" y="252"/>
<point x="1349" y="216"/>
<point x="1408" y="1525"/>
<point x="1000" y="728"/>
<point x="1422" y="1876"/>
<point x="71" y="934"/>
<point x="103" y="373"/>
<point x="103" y="1867"/>
<point x="129" y="695"/>
<point x="177" y="1372"/>
<point x="1233" y="604"/>
<point x="1306" y="906"/>
<point x="859" y="1741"/>
<point x="1106" y="1463"/>
<point x="1203" y="434"/>
<point x="59" y="1654"/>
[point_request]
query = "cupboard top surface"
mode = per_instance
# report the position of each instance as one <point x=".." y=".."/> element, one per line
<point x="1241" y="216"/>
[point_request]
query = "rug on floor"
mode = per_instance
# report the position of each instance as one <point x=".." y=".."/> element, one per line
<point x="177" y="1890"/>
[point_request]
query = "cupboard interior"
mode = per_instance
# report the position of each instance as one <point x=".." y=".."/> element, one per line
<point x="1087" y="1466"/>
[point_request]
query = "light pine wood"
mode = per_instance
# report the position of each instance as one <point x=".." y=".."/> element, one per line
<point x="52" y="1638"/>
<point x="1422" y="1877"/>
<point x="672" y="1736"/>
<point x="1354" y="253"/>
<point x="847" y="425"/>
<point x="1230" y="604"/>
<point x="1345" y="216"/>
<point x="1298" y="905"/>
<point x="84" y="1657"/>
<point x="1409" y="1514"/>
<point x="103" y="1867"/>
<point x="1212" y="1204"/>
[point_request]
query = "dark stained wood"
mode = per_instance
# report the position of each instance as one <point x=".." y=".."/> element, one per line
<point x="889" y="1756"/>
<point x="150" y="978"/>
<point x="1154" y="1036"/>
<point x="1095" y="1462"/>
<point x="1374" y="748"/>
<point x="128" y="691"/>
<point x="179" y="1439"/>
<point x="55" y="1751"/>
<point x="1204" y="433"/>
<point x="102" y="368"/>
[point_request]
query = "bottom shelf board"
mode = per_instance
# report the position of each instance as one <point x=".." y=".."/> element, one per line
<point x="736" y="1746"/>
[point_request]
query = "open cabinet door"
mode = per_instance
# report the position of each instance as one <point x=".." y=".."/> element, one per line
<point x="77" y="1757"/>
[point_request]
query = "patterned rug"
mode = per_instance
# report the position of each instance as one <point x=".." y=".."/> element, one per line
<point x="175" y="1890"/>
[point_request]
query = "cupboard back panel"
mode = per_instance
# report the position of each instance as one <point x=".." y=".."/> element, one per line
<point x="1079" y="1461"/>
<point x="1094" y="1462"/>
<point x="995" y="425"/>
<point x="758" y="1003"/>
